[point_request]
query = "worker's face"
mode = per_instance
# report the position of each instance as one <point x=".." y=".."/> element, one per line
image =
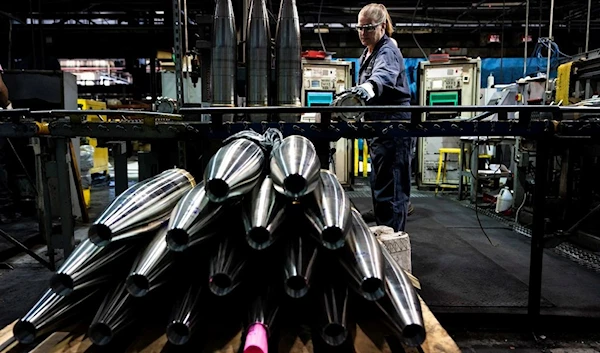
<point x="369" y="31"/>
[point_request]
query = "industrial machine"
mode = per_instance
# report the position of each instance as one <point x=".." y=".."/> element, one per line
<point x="452" y="82"/>
<point x="321" y="81"/>
<point x="572" y="196"/>
<point x="578" y="78"/>
<point x="45" y="90"/>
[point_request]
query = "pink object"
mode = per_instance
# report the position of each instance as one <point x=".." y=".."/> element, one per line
<point x="256" y="340"/>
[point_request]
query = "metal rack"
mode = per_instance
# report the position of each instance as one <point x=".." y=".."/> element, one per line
<point x="60" y="125"/>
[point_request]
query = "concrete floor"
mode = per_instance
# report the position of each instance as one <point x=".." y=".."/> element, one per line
<point x="457" y="266"/>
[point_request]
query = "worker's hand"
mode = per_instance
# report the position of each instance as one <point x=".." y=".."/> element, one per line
<point x="364" y="91"/>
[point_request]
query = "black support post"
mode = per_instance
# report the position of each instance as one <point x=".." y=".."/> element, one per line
<point x="64" y="189"/>
<point x="537" y="237"/>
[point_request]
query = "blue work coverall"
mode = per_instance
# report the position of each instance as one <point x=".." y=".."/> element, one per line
<point x="390" y="156"/>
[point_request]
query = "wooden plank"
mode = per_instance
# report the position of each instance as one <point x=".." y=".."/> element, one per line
<point x="297" y="340"/>
<point x="438" y="340"/>
<point x="7" y="341"/>
<point x="368" y="338"/>
<point x="63" y="342"/>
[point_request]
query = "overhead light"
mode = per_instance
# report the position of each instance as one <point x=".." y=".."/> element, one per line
<point x="498" y="4"/>
<point x="414" y="30"/>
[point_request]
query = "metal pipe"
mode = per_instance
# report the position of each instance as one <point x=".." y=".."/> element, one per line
<point x="234" y="170"/>
<point x="49" y="312"/>
<point x="332" y="217"/>
<point x="550" y="46"/>
<point x="258" y="58"/>
<point x="149" y="268"/>
<point x="83" y="267"/>
<point x="334" y="330"/>
<point x="225" y="268"/>
<point x="64" y="189"/>
<point x="264" y="309"/>
<point x="190" y="219"/>
<point x="184" y="316"/>
<point x="587" y="26"/>
<point x="178" y="56"/>
<point x="539" y="225"/>
<point x="262" y="214"/>
<point x="295" y="166"/>
<point x="526" y="38"/>
<point x="288" y="61"/>
<point x="115" y="314"/>
<point x="224" y="56"/>
<point x="401" y="305"/>
<point x="142" y="207"/>
<point x="29" y="252"/>
<point x="185" y="30"/>
<point x="298" y="267"/>
<point x="363" y="260"/>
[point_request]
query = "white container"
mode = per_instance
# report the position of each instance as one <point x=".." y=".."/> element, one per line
<point x="490" y="81"/>
<point x="397" y="243"/>
<point x="504" y="200"/>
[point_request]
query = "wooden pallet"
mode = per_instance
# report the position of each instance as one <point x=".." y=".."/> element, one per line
<point x="367" y="339"/>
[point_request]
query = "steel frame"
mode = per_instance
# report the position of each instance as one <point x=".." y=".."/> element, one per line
<point x="541" y="123"/>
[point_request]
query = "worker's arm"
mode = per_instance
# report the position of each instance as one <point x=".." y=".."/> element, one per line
<point x="386" y="70"/>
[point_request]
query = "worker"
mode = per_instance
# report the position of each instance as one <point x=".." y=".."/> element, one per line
<point x="4" y="102"/>
<point x="382" y="81"/>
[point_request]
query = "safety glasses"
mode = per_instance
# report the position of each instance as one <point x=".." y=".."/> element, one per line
<point x="368" y="28"/>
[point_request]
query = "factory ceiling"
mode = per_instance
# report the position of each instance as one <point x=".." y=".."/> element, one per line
<point x="105" y="25"/>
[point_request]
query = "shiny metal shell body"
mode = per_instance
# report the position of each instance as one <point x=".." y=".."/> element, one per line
<point x="184" y="316"/>
<point x="234" y="170"/>
<point x="262" y="214"/>
<point x="190" y="219"/>
<point x="48" y="313"/>
<point x="363" y="260"/>
<point x="225" y="268"/>
<point x="298" y="267"/>
<point x="288" y="60"/>
<point x="295" y="167"/>
<point x="401" y="306"/>
<point x="334" y="298"/>
<point x="82" y="268"/>
<point x="141" y="208"/>
<point x="258" y="58"/>
<point x="224" y="56"/>
<point x="331" y="218"/>
<point x="147" y="272"/>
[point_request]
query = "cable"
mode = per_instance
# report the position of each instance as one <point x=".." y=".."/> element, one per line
<point x="412" y="23"/>
<point x="520" y="207"/>
<point x="319" y="27"/>
<point x="477" y="183"/>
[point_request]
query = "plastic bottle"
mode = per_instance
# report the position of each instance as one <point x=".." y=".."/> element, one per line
<point x="490" y="80"/>
<point x="504" y="200"/>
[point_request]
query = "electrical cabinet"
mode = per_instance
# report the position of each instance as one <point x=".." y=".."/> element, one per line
<point x="321" y="81"/>
<point x="453" y="82"/>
